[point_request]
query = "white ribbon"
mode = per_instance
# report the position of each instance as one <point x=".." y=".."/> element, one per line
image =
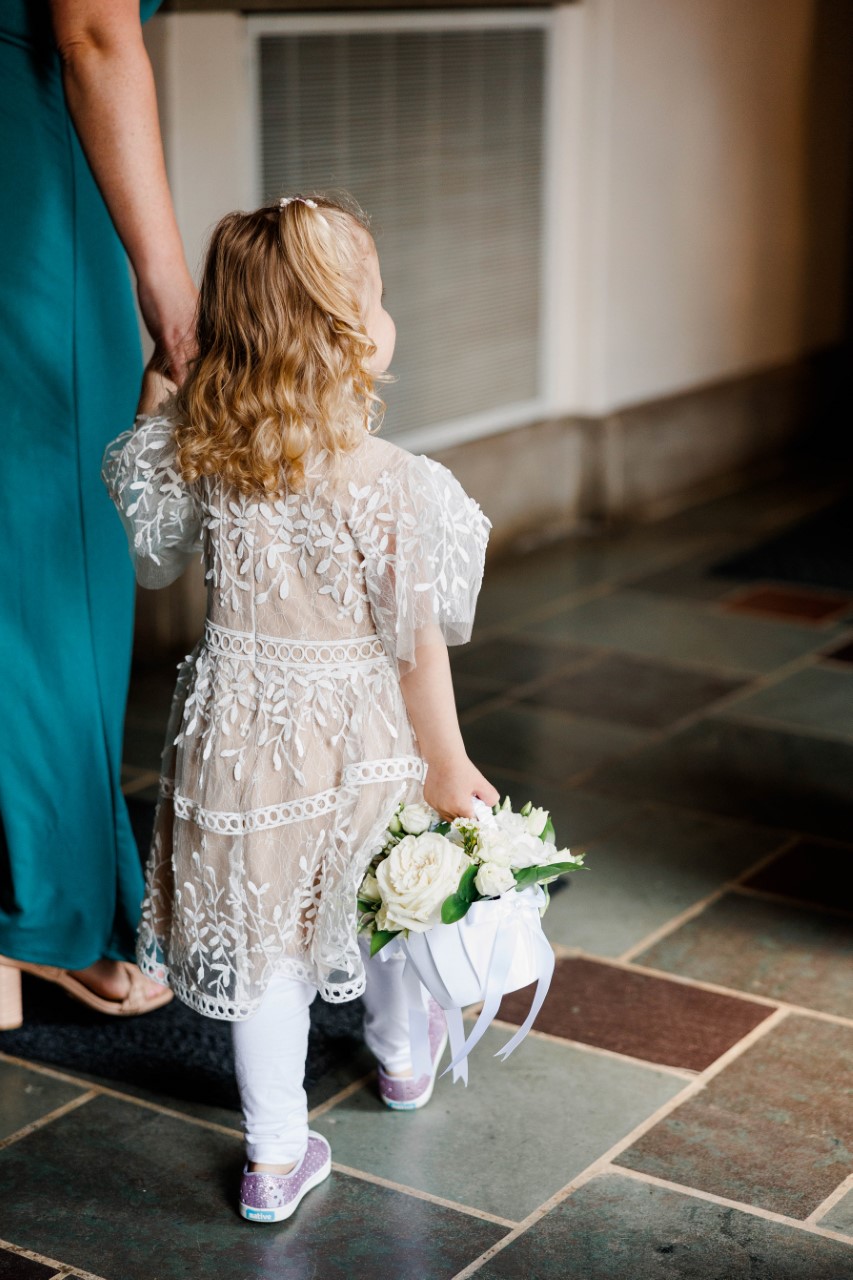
<point x="517" y="921"/>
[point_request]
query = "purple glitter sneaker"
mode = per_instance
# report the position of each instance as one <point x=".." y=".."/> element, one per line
<point x="402" y="1093"/>
<point x="272" y="1197"/>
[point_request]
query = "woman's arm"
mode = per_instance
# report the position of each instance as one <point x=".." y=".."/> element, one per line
<point x="109" y="87"/>
<point x="451" y="779"/>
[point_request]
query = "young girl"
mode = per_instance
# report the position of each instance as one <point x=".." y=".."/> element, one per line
<point x="338" y="566"/>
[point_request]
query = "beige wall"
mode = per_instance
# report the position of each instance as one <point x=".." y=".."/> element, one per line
<point x="714" y="167"/>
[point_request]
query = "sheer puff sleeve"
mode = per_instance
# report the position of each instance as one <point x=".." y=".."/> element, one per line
<point x="158" y="510"/>
<point x="423" y="545"/>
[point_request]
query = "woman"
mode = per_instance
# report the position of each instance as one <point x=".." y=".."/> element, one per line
<point x="83" y="189"/>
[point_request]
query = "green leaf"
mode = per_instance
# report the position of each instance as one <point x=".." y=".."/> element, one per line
<point x="367" y="904"/>
<point x="442" y="828"/>
<point x="532" y="875"/>
<point x="548" y="832"/>
<point x="381" y="938"/>
<point x="466" y="884"/>
<point x="456" y="906"/>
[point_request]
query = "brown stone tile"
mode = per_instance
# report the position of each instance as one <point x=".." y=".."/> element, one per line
<point x="775" y="1129"/>
<point x="797" y="603"/>
<point x="633" y="1013"/>
<point x="773" y="949"/>
<point x="818" y="874"/>
<point x="626" y="690"/>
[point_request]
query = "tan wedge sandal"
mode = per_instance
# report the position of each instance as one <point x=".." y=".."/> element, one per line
<point x="134" y="1003"/>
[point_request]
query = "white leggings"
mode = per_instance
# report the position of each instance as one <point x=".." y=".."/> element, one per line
<point x="270" y="1049"/>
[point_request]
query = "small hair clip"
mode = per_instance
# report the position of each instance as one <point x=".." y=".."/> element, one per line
<point x="286" y="200"/>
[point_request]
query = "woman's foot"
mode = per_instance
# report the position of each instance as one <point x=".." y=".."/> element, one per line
<point x="111" y="979"/>
<point x="114" y="987"/>
<point x="270" y="1197"/>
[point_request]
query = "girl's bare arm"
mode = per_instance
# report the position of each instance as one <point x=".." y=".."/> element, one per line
<point x="451" y="779"/>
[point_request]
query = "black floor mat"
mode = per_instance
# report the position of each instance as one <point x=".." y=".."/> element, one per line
<point x="173" y="1051"/>
<point x="818" y="552"/>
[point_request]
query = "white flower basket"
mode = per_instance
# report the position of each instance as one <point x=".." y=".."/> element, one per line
<point x="498" y="947"/>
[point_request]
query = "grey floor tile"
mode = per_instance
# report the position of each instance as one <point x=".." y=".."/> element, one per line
<point x="26" y="1096"/>
<point x="542" y="745"/>
<point x="509" y="660"/>
<point x="134" y="1195"/>
<point x="579" y="815"/>
<point x="530" y="583"/>
<point x="678" y="631"/>
<point x="819" y="699"/>
<point x="840" y="1217"/>
<point x="616" y="1228"/>
<point x="744" y="770"/>
<point x="646" y="871"/>
<point x="692" y="580"/>
<point x="750" y="513"/>
<point x="519" y="1132"/>
<point x="624" y="690"/>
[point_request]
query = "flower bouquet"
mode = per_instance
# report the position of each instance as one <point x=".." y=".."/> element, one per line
<point x="464" y="900"/>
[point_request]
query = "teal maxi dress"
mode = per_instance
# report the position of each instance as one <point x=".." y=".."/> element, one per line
<point x="70" y="364"/>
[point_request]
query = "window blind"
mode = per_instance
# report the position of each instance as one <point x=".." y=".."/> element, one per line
<point x="438" y="136"/>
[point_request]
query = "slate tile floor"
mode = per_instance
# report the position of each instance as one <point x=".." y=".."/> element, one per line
<point x="684" y="1108"/>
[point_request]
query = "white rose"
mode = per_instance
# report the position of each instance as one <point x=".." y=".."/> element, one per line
<point x="417" y="818"/>
<point x="510" y="848"/>
<point x="496" y="845"/>
<point x="492" y="880"/>
<point x="511" y="823"/>
<point x="418" y="874"/>
<point x="536" y="821"/>
<point x="369" y="888"/>
<point x="530" y="851"/>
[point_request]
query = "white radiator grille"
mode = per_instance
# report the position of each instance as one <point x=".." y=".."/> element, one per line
<point x="439" y="136"/>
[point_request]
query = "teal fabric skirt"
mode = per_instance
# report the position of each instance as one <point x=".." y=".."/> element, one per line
<point x="70" y="363"/>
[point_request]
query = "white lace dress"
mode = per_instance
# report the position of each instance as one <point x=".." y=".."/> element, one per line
<point x="289" y="745"/>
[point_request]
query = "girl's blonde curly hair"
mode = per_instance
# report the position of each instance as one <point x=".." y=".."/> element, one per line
<point x="282" y="364"/>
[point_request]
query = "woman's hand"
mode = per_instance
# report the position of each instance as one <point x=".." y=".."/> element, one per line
<point x="168" y="310"/>
<point x="452" y="783"/>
